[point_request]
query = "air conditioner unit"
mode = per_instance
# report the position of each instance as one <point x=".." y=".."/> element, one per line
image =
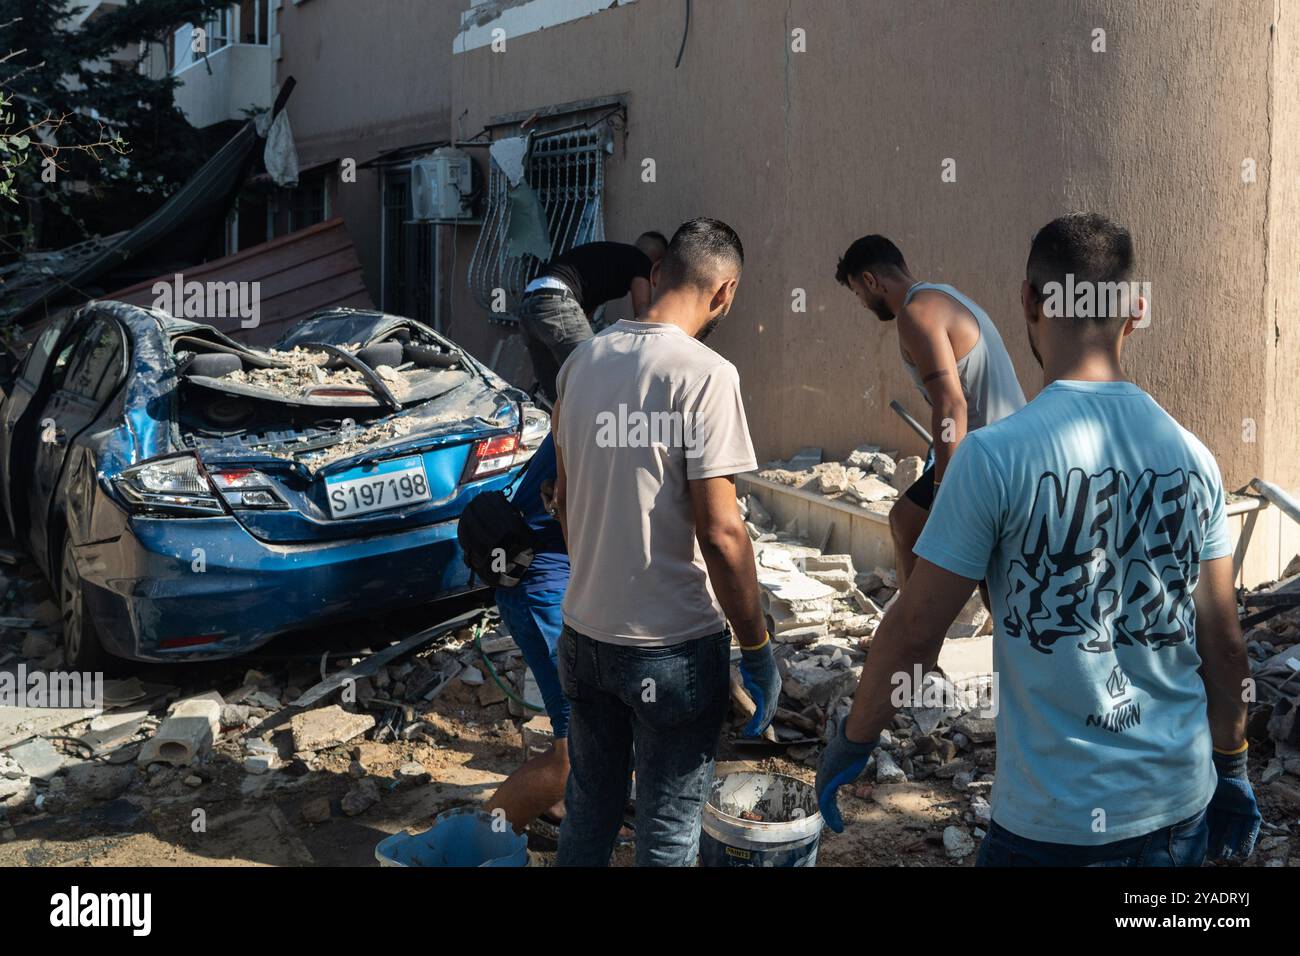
<point x="443" y="185"/>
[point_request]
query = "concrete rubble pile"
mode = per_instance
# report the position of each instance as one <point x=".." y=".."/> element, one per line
<point x="152" y="745"/>
<point x="1273" y="728"/>
<point x="869" y="478"/>
<point x="822" y="613"/>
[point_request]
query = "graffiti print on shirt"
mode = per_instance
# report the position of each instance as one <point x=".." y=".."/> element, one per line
<point x="1108" y="560"/>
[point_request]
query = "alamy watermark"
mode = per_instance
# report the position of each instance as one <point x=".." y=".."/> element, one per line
<point x="1085" y="299"/>
<point x="959" y="694"/>
<point x="61" y="690"/>
<point x="210" y="300"/>
<point x="626" y="428"/>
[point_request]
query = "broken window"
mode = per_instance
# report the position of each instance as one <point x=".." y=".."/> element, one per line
<point x="565" y="170"/>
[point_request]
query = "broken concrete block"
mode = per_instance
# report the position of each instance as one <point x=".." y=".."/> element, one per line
<point x="259" y="761"/>
<point x="906" y="472"/>
<point x="804" y="459"/>
<point x="327" y="727"/>
<point x="860" y="625"/>
<point x="967" y="658"/>
<point x="828" y="562"/>
<point x="979" y="730"/>
<point x="970" y="620"/>
<point x="758" y="515"/>
<point x="100" y="781"/>
<point x="832" y="479"/>
<point x="489" y="693"/>
<point x="887" y="771"/>
<point x="16" y="793"/>
<point x="810" y="683"/>
<point x="538" y="737"/>
<point x="798" y="634"/>
<point x="188" y="732"/>
<point x="234" y="716"/>
<point x="263" y="699"/>
<point x="840" y="580"/>
<point x="865" y="456"/>
<point x="316" y="811"/>
<point x="413" y="772"/>
<point x="38" y="758"/>
<point x="957" y="843"/>
<point x="872" y="488"/>
<point x="363" y="795"/>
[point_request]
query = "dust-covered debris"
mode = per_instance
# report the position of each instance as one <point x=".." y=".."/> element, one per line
<point x="356" y="439"/>
<point x="869" y="478"/>
<point x="297" y="373"/>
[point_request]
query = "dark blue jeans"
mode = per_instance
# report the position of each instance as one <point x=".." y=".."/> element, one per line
<point x="1180" y="844"/>
<point x="535" y="622"/>
<point x="553" y="325"/>
<point x="667" y="704"/>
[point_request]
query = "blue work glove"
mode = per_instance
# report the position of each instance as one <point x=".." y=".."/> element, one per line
<point x="842" y="762"/>
<point x="1233" y="815"/>
<point x="763" y="683"/>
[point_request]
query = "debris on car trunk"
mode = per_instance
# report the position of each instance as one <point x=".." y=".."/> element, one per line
<point x="296" y="373"/>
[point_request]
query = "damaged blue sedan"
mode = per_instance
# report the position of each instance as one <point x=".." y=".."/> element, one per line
<point x="192" y="497"/>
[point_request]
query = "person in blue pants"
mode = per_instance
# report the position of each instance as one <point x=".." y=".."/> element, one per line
<point x="531" y="611"/>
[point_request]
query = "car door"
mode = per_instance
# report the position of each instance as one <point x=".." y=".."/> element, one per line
<point x="24" y="399"/>
<point x="94" y="369"/>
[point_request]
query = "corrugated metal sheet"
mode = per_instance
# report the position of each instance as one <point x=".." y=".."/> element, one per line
<point x="298" y="274"/>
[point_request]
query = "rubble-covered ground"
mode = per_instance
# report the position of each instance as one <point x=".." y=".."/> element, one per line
<point x="441" y="726"/>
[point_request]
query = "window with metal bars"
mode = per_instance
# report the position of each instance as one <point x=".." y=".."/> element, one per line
<point x="567" y="171"/>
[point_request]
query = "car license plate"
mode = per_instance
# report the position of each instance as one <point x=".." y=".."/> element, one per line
<point x="390" y="484"/>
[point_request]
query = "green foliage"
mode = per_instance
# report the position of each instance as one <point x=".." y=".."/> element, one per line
<point x="115" y="132"/>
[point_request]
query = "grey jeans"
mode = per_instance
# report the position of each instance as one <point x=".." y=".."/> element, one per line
<point x="668" y="705"/>
<point x="553" y="325"/>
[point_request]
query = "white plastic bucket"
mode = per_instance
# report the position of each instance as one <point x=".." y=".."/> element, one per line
<point x="787" y="833"/>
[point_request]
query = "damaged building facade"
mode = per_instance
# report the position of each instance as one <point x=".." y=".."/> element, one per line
<point x="1186" y="128"/>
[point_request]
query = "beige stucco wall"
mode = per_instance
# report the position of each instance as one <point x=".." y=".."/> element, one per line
<point x="802" y="152"/>
<point x="371" y="76"/>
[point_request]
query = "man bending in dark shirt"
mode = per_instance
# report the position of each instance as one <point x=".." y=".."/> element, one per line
<point x="555" y="315"/>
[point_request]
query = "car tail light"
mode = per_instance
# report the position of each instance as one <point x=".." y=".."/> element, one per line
<point x="174" y="486"/>
<point x="247" y="488"/>
<point x="491" y="456"/>
<point x="537" y="425"/>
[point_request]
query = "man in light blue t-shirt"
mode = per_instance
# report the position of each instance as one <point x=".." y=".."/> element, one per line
<point x="1098" y="523"/>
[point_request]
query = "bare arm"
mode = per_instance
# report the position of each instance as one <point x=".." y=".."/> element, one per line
<point x="1224" y="667"/>
<point x="729" y="556"/>
<point x="924" y="336"/>
<point x="640" y="296"/>
<point x="911" y="633"/>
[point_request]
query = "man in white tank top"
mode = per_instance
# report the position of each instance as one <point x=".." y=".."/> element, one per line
<point x="953" y="353"/>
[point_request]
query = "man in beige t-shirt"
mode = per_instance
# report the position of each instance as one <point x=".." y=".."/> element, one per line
<point x="650" y="431"/>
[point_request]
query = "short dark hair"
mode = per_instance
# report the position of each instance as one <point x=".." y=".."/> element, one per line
<point x="652" y="243"/>
<point x="700" y="251"/>
<point x="867" y="255"/>
<point x="1086" y="245"/>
